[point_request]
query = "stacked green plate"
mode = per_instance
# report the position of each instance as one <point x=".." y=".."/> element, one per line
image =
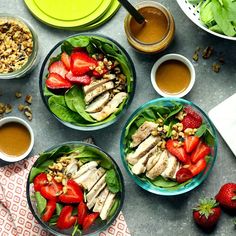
<point x="77" y="15"/>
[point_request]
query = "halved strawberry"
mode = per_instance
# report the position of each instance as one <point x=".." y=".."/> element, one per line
<point x="179" y="152"/>
<point x="80" y="79"/>
<point x="198" y="167"/>
<point x="55" y="81"/>
<point x="189" y="111"/>
<point x="73" y="193"/>
<point x="183" y="174"/>
<point x="192" y="119"/>
<point x="190" y="143"/>
<point x="65" y="58"/>
<point x="82" y="63"/>
<point x="39" y="181"/>
<point x="52" y="190"/>
<point x="89" y="219"/>
<point x="200" y="152"/>
<point x="50" y="208"/>
<point x="59" y="68"/>
<point x="82" y="212"/>
<point x="65" y="219"/>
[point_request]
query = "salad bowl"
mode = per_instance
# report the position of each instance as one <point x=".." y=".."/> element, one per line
<point x="75" y="188"/>
<point x="87" y="81"/>
<point x="168" y="146"/>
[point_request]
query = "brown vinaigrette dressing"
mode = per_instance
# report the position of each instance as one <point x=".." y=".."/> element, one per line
<point x="154" y="29"/>
<point x="14" y="139"/>
<point x="173" y="77"/>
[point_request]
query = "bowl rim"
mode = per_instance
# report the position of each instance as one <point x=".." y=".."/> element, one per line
<point x="177" y="57"/>
<point x="15" y="119"/>
<point x="151" y="188"/>
<point x="117" y="168"/>
<point x="128" y="102"/>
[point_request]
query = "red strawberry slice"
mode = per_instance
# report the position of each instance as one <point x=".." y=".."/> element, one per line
<point x="59" y="68"/>
<point x="50" y="208"/>
<point x="198" y="167"/>
<point x="65" y="219"/>
<point x="82" y="212"/>
<point x="73" y="194"/>
<point x="82" y="63"/>
<point x="189" y="111"/>
<point x="39" y="181"/>
<point x="65" y="58"/>
<point x="183" y="174"/>
<point x="89" y="219"/>
<point x="80" y="79"/>
<point x="178" y="152"/>
<point x="200" y="152"/>
<point x="55" y="81"/>
<point x="190" y="143"/>
<point x="192" y="119"/>
<point x="52" y="190"/>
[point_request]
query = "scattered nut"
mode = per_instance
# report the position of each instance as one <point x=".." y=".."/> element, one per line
<point x="28" y="99"/>
<point x="2" y="108"/>
<point x="8" y="108"/>
<point x="21" y="107"/>
<point x="18" y="94"/>
<point x="216" y="67"/>
<point x="207" y="52"/>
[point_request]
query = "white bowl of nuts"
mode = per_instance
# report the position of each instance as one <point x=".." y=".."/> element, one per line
<point x="18" y="47"/>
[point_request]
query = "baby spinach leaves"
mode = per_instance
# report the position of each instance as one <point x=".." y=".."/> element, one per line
<point x="41" y="202"/>
<point x="112" y="181"/>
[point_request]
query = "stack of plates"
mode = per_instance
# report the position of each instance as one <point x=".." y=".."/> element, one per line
<point x="80" y="15"/>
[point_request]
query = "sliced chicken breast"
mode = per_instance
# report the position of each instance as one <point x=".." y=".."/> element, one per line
<point x="159" y="167"/>
<point x="83" y="178"/>
<point x="84" y="168"/>
<point x="143" y="149"/>
<point x="107" y="205"/>
<point x="72" y="168"/>
<point x="153" y="160"/>
<point x="169" y="172"/>
<point x="93" y="178"/>
<point x="101" y="200"/>
<point x="97" y="91"/>
<point x="92" y="202"/>
<point x="110" y="108"/>
<point x="140" y="166"/>
<point x="142" y="133"/>
<point x="98" y="103"/>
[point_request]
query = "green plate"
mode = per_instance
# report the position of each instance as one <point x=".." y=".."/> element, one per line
<point x="69" y="13"/>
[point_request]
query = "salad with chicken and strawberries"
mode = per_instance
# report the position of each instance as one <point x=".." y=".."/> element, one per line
<point x="75" y="188"/>
<point x="89" y="81"/>
<point x="167" y="146"/>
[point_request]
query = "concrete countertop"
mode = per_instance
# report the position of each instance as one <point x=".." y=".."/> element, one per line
<point x="145" y="213"/>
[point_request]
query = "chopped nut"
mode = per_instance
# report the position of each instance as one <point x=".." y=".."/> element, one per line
<point x="2" y="108"/>
<point x="21" y="107"/>
<point x="28" y="99"/>
<point x="49" y="177"/>
<point x="64" y="189"/>
<point x="207" y="52"/>
<point x="58" y="179"/>
<point x="18" y="94"/>
<point x="28" y="113"/>
<point x="216" y="67"/>
<point x="154" y="133"/>
<point x="163" y="145"/>
<point x="64" y="181"/>
<point x="8" y="108"/>
<point x="195" y="56"/>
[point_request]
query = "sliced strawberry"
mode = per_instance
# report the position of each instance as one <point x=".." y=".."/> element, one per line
<point x="80" y="79"/>
<point x="65" y="58"/>
<point x="200" y="152"/>
<point x="198" y="167"/>
<point x="82" y="212"/>
<point x="73" y="193"/>
<point x="189" y="111"/>
<point x="50" y="208"/>
<point x="89" y="219"/>
<point x="178" y="152"/>
<point x="190" y="122"/>
<point x="39" y="181"/>
<point x="82" y="63"/>
<point x="190" y="143"/>
<point x="52" y="190"/>
<point x="65" y="219"/>
<point x="55" y="81"/>
<point x="78" y="49"/>
<point x="59" y="68"/>
<point x="183" y="174"/>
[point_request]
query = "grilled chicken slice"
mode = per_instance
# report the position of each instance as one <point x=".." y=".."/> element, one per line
<point x="172" y="165"/>
<point x="97" y="91"/>
<point x="84" y="168"/>
<point x="93" y="178"/>
<point x="159" y="167"/>
<point x="71" y="168"/>
<point x="101" y="200"/>
<point x="142" y="149"/>
<point x="153" y="160"/>
<point x="96" y="188"/>
<point x="110" y="108"/>
<point x="97" y="82"/>
<point x="107" y="205"/>
<point x="142" y="133"/>
<point x="140" y="166"/>
<point x="98" y="103"/>
<point x="83" y="178"/>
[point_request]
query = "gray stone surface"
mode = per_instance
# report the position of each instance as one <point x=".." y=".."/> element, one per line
<point x="145" y="213"/>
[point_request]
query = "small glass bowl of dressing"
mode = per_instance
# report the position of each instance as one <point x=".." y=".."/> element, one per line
<point x="173" y="75"/>
<point x="156" y="33"/>
<point x="17" y="139"/>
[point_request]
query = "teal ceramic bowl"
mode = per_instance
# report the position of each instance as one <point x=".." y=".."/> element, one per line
<point x="147" y="185"/>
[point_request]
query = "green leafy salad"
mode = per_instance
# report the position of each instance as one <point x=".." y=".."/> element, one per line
<point x="89" y="82"/>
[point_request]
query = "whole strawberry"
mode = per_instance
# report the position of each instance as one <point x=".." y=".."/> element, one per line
<point x="227" y="196"/>
<point x="207" y="213"/>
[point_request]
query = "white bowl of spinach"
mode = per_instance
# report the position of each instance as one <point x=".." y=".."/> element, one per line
<point x="87" y="81"/>
<point x="83" y="166"/>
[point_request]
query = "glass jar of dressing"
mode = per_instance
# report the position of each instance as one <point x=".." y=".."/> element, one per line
<point x="156" y="33"/>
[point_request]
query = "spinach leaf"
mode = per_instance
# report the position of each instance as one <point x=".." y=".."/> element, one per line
<point x="175" y="110"/>
<point x="74" y="98"/>
<point x="209" y="138"/>
<point x="91" y="49"/>
<point x="112" y="181"/>
<point x="230" y="7"/>
<point x="53" y="220"/>
<point x="54" y="59"/>
<point x="41" y="202"/>
<point x="58" y="208"/>
<point x="201" y="130"/>
<point x="216" y="29"/>
<point x="67" y="47"/>
<point x="163" y="183"/>
<point x="206" y="14"/>
<point x="113" y="208"/>
<point x="76" y="230"/>
<point x="79" y="41"/>
<point x="179" y="185"/>
<point x="47" y="92"/>
<point x="194" y="1"/>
